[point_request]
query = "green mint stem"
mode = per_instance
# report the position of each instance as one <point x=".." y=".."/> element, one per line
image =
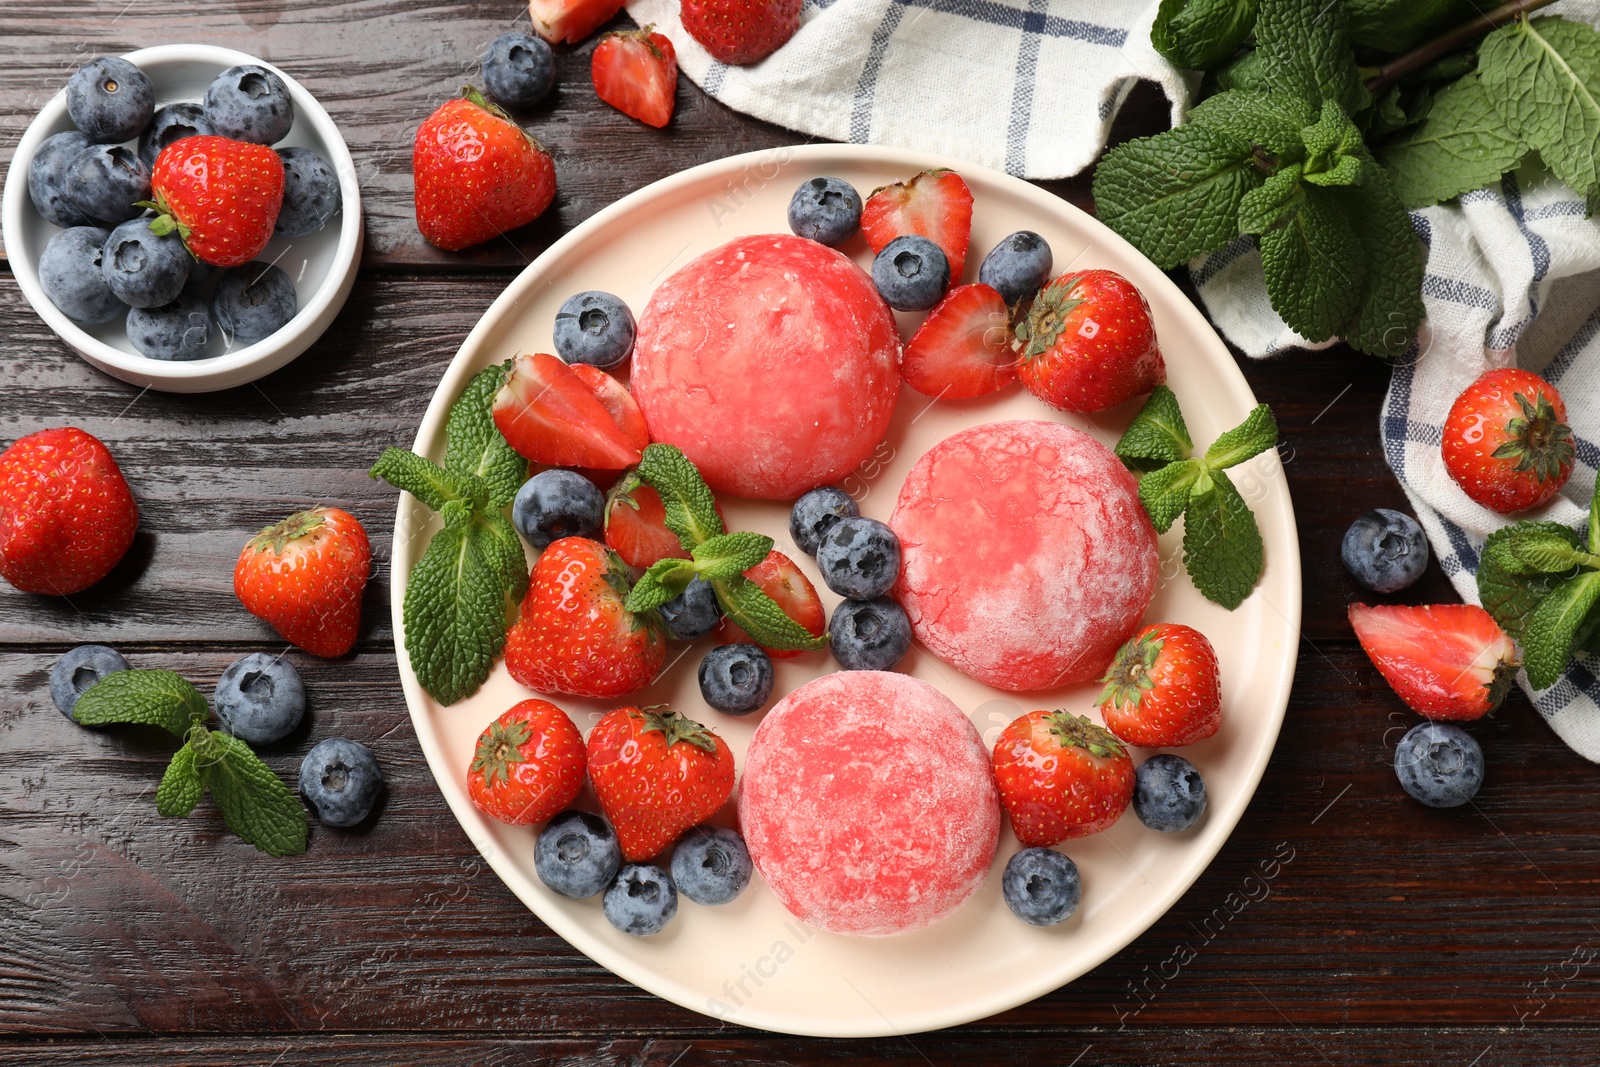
<point x="1449" y="41"/>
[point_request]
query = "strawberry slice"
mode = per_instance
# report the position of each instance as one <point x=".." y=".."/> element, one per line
<point x="616" y="399"/>
<point x="936" y="203"/>
<point x="550" y="415"/>
<point x="1447" y="661"/>
<point x="570" y="21"/>
<point x="636" y="72"/>
<point x="785" y="583"/>
<point x="962" y="349"/>
<point x="637" y="531"/>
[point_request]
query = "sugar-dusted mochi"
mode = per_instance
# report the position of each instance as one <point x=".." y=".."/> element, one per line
<point x="868" y="803"/>
<point x="771" y="362"/>
<point x="1027" y="557"/>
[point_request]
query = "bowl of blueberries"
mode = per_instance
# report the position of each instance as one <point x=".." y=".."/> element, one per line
<point x="120" y="276"/>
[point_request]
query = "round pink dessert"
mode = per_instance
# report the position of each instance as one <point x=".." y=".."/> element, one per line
<point x="1027" y="557"/>
<point x="771" y="362"/>
<point x="868" y="804"/>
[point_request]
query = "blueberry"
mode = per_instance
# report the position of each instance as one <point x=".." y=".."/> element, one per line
<point x="557" y="503"/>
<point x="736" y="679"/>
<point x="70" y="274"/>
<point x="341" y="781"/>
<point x="859" y="558"/>
<point x="310" y="193"/>
<point x="1168" y="793"/>
<point x="79" y="669"/>
<point x="249" y="103"/>
<point x="519" y="70"/>
<point x="911" y="273"/>
<point x="106" y="182"/>
<point x="1439" y="764"/>
<point x="815" y="513"/>
<point x="110" y="100"/>
<point x="260" y="699"/>
<point x="171" y="124"/>
<point x="711" y="866"/>
<point x="641" y="901"/>
<point x="253" y="302"/>
<point x="1041" y="886"/>
<point x="1385" y="550"/>
<point x="144" y="270"/>
<point x="693" y="612"/>
<point x="577" y="854"/>
<point x="869" y="635"/>
<point x="179" y="331"/>
<point x="47" y="178"/>
<point x="826" y="210"/>
<point x="1018" y="266"/>
<point x="594" y="328"/>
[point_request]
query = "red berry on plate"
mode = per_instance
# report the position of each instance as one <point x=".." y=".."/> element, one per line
<point x="780" y="578"/>
<point x="477" y="174"/>
<point x="550" y="415"/>
<point x="305" y="576"/>
<point x="741" y="31"/>
<point x="222" y="196"/>
<point x="1088" y="343"/>
<point x="1506" y="441"/>
<point x="1060" y="776"/>
<point x="617" y="401"/>
<point x="529" y="764"/>
<point x="574" y="635"/>
<point x="1163" y="689"/>
<point x="656" y="774"/>
<point x="66" y="513"/>
<point x="963" y="348"/>
<point x="636" y="525"/>
<point x="636" y="72"/>
<point x="936" y="204"/>
<point x="1446" y="661"/>
<point x="570" y="21"/>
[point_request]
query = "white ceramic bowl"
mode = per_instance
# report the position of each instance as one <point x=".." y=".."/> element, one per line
<point x="322" y="264"/>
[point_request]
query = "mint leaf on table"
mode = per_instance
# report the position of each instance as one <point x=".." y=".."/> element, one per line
<point x="1304" y="47"/>
<point x="151" y="697"/>
<point x="761" y="617"/>
<point x="1271" y="120"/>
<point x="1462" y="144"/>
<point x="473" y="444"/>
<point x="181" y="788"/>
<point x="1508" y="588"/>
<point x="729" y="555"/>
<point x="253" y="800"/>
<point x="1552" y="629"/>
<point x="455" y="613"/>
<point x="691" y="510"/>
<point x="1388" y="308"/>
<point x="1313" y="264"/>
<point x="1200" y="34"/>
<point x="1157" y="434"/>
<point x="1222" y="548"/>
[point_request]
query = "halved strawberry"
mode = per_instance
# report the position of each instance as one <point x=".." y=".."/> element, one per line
<point x="936" y="203"/>
<point x="550" y="415"/>
<point x="616" y="399"/>
<point x="636" y="527"/>
<point x="1446" y="661"/>
<point x="570" y="21"/>
<point x="636" y="72"/>
<point x="963" y="348"/>
<point x="785" y="583"/>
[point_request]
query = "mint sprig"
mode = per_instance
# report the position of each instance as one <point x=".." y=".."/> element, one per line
<point x="1222" y="548"/>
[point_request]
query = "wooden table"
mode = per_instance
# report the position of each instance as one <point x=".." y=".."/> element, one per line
<point x="1392" y="934"/>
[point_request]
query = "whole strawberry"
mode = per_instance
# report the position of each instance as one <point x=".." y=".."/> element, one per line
<point x="1088" y="343"/>
<point x="1163" y="689"/>
<point x="221" y="195"/>
<point x="305" y="576"/>
<point x="1506" y="441"/>
<point x="529" y="764"/>
<point x="1060" y="776"/>
<point x="656" y="774"/>
<point x="477" y="173"/>
<point x="574" y="636"/>
<point x="66" y="513"/>
<point x="741" y="31"/>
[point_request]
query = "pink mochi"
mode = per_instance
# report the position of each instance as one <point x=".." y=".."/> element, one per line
<point x="771" y="362"/>
<point x="868" y="804"/>
<point x="1027" y="558"/>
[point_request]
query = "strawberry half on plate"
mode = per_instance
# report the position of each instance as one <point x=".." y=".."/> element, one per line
<point x="963" y="348"/>
<point x="1446" y="661"/>
<point x="936" y="204"/>
<point x="551" y="415"/>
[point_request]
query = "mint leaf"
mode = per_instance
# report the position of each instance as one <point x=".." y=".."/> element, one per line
<point x="1389" y="302"/>
<point x="455" y="614"/>
<point x="665" y="580"/>
<point x="473" y="444"/>
<point x="1222" y="548"/>
<point x="503" y="548"/>
<point x="691" y="510"/>
<point x="729" y="555"/>
<point x="1257" y="433"/>
<point x="254" y="802"/>
<point x="427" y="481"/>
<point x="1273" y="203"/>
<point x="1506" y="587"/>
<point x="1313" y="265"/>
<point x="1244" y="73"/>
<point x="1165" y="492"/>
<point x="1270" y="120"/>
<point x="1541" y="75"/>
<point x="1157" y="434"/>
<point x="1199" y="34"/>
<point x="1334" y="148"/>
<point x="1553" y="628"/>
<point x="1176" y="195"/>
<point x="180" y="787"/>
<point x="1546" y="552"/>
<point x="152" y="697"/>
<point x="1304" y="47"/>
<point x="1463" y="144"/>
<point x="1395" y="26"/>
<point x="760" y="617"/>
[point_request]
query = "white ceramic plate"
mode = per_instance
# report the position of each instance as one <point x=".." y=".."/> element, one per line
<point x="751" y="962"/>
<point x="322" y="265"/>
